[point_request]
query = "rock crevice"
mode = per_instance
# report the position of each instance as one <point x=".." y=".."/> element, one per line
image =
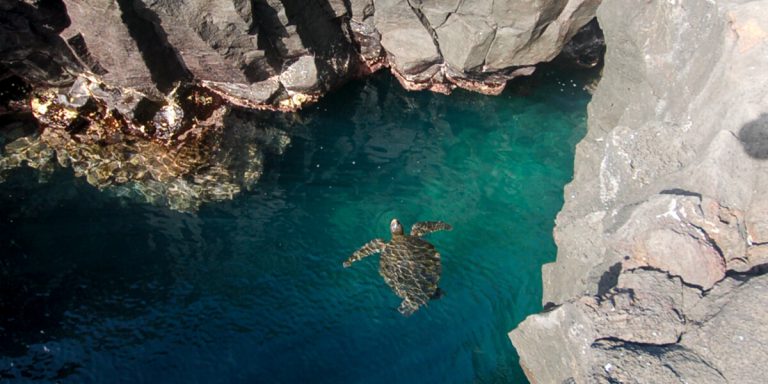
<point x="281" y="54"/>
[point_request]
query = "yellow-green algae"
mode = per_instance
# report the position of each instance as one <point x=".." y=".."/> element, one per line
<point x="176" y="158"/>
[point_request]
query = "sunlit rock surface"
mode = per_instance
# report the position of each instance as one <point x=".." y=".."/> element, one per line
<point x="475" y="44"/>
<point x="660" y="273"/>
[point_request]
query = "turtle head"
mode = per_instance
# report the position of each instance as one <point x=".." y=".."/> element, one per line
<point x="395" y="227"/>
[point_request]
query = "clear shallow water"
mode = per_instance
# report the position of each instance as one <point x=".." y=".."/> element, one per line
<point x="95" y="288"/>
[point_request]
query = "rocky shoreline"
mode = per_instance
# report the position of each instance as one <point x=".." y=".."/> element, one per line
<point x="119" y="85"/>
<point x="662" y="241"/>
<point x="280" y="55"/>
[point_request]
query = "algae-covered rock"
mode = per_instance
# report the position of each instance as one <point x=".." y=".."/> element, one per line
<point x="191" y="149"/>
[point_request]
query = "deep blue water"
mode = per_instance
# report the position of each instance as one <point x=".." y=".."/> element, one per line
<point x="96" y="288"/>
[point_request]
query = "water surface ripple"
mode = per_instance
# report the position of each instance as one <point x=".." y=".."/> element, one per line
<point x="97" y="288"/>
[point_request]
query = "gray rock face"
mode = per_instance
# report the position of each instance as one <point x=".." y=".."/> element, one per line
<point x="474" y="44"/>
<point x="526" y="29"/>
<point x="280" y="54"/>
<point x="258" y="54"/>
<point x="662" y="238"/>
<point x="472" y="37"/>
<point x="650" y="328"/>
<point x="409" y="46"/>
<point x="300" y="75"/>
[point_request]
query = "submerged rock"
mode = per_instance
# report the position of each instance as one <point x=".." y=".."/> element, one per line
<point x="179" y="154"/>
<point x="661" y="254"/>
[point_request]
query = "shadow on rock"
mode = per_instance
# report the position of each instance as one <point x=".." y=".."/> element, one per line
<point x="754" y="137"/>
<point x="609" y="279"/>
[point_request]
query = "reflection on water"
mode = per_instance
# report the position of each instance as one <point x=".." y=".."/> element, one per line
<point x="99" y="288"/>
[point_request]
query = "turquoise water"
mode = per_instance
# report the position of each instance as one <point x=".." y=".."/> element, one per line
<point x="96" y="288"/>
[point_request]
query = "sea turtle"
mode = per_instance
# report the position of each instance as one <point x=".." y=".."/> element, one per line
<point x="409" y="264"/>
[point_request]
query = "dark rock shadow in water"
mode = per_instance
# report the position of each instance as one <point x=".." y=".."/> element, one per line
<point x="51" y="280"/>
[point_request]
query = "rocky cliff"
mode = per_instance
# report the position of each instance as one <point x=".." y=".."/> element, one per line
<point x="473" y="44"/>
<point x="280" y="54"/>
<point x="663" y="238"/>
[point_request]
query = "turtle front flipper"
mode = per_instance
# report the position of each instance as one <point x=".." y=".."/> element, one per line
<point x="426" y="227"/>
<point x="373" y="246"/>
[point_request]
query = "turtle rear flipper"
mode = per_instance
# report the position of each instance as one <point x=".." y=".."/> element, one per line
<point x="423" y="228"/>
<point x="373" y="246"/>
<point x="407" y="307"/>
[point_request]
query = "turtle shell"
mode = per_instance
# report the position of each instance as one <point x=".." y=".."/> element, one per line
<point x="411" y="267"/>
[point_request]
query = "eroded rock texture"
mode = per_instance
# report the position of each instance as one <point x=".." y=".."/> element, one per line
<point x="274" y="54"/>
<point x="280" y="54"/>
<point x="662" y="239"/>
<point x="30" y="45"/>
